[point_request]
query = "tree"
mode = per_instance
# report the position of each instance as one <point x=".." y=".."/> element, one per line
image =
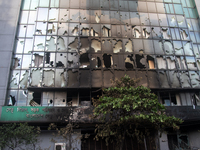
<point x="129" y="110"/>
<point x="18" y="135"/>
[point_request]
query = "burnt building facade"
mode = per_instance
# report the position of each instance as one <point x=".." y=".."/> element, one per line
<point x="56" y="54"/>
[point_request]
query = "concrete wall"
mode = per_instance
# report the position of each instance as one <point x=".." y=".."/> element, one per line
<point x="9" y="13"/>
<point x="194" y="137"/>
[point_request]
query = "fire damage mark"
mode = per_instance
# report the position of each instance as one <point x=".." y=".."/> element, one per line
<point x="140" y="61"/>
<point x="107" y="59"/>
<point x="48" y="77"/>
<point x="129" y="62"/>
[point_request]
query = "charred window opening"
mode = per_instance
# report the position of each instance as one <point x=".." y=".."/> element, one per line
<point x="178" y="141"/>
<point x="140" y="61"/>
<point x="12" y="100"/>
<point x="98" y="62"/>
<point x="106" y="31"/>
<point x="107" y="60"/>
<point x="117" y="47"/>
<point x="36" y="101"/>
<point x="150" y="61"/>
<point x="84" y="97"/>
<point x="164" y="96"/>
<point x="84" y="60"/>
<point x="59" y="64"/>
<point x="129" y="61"/>
<point x="72" y="98"/>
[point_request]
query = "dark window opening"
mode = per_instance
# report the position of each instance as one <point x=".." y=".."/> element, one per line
<point x="107" y="60"/>
<point x="139" y="62"/>
<point x="164" y="96"/>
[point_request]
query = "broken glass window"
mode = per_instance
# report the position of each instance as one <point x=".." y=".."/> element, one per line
<point x="165" y="33"/>
<point x="17" y="62"/>
<point x="181" y="21"/>
<point x="181" y="63"/>
<point x="143" y="78"/>
<point x="95" y="30"/>
<point x="116" y="31"/>
<point x="156" y="33"/>
<point x="84" y="60"/>
<point x="62" y="43"/>
<point x="37" y="60"/>
<point x="64" y="14"/>
<point x="172" y="20"/>
<point x="47" y="98"/>
<point x="194" y="76"/>
<point x="85" y="31"/>
<point x="36" y="77"/>
<point x="115" y="17"/>
<point x="73" y="45"/>
<point x="61" y="60"/>
<point x="184" y="34"/>
<point x="140" y="61"/>
<point x="42" y="14"/>
<point x="178" y="47"/>
<point x="129" y="62"/>
<point x="163" y="77"/>
<point x="53" y="14"/>
<point x="150" y="61"/>
<point x="135" y="18"/>
<point x="30" y="98"/>
<point x="39" y="43"/>
<point x="128" y="46"/>
<point x="63" y="28"/>
<point x="52" y="28"/>
<point x="96" y="78"/>
<point x="164" y="96"/>
<point x="107" y="45"/>
<point x="74" y="29"/>
<point x="84" y="97"/>
<point x="191" y="63"/>
<point x="174" y="79"/>
<point x="60" y="99"/>
<point x="117" y="46"/>
<point x="96" y="45"/>
<point x="171" y="62"/>
<point x="107" y="77"/>
<point x="73" y="78"/>
<point x="107" y="61"/>
<point x="74" y="15"/>
<point x="153" y="79"/>
<point x="136" y="31"/>
<point x="105" y="16"/>
<point x="14" y="81"/>
<point x="73" y="60"/>
<point x="22" y="98"/>
<point x="84" y="76"/>
<point x="96" y="61"/>
<point x="51" y="43"/>
<point x="48" y="77"/>
<point x="95" y="16"/>
<point x="49" y="59"/>
<point x="84" y="45"/>
<point x="146" y="32"/>
<point x="12" y="97"/>
<point x="72" y="98"/>
<point x="106" y="31"/>
<point x="185" y="81"/>
<point x="161" y="62"/>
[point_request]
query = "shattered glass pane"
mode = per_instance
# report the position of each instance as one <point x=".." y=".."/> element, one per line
<point x="96" y="45"/>
<point x="50" y="43"/>
<point x="47" y="98"/>
<point x="195" y="81"/>
<point x="106" y="32"/>
<point x="14" y="81"/>
<point x="39" y="43"/>
<point x="129" y="61"/>
<point x="140" y="61"/>
<point x="107" y="45"/>
<point x="185" y="81"/>
<point x="181" y="63"/>
<point x="63" y="29"/>
<point x="64" y="15"/>
<point x="37" y="60"/>
<point x="73" y="60"/>
<point x="117" y="46"/>
<point x="96" y="61"/>
<point x="85" y="30"/>
<point x="184" y="34"/>
<point x="178" y="47"/>
<point x="74" y="29"/>
<point x="128" y="45"/>
<point x="48" y="77"/>
<point x="41" y="28"/>
<point x="171" y="62"/>
<point x="36" y="77"/>
<point x="95" y="30"/>
<point x="52" y="28"/>
<point x="62" y="43"/>
<point x="73" y="44"/>
<point x="61" y="59"/>
<point x="136" y="31"/>
<point x="49" y="59"/>
<point x="168" y="47"/>
<point x="172" y="20"/>
<point x="107" y="61"/>
<point x="191" y="63"/>
<point x="17" y="62"/>
<point x="146" y="32"/>
<point x="150" y="61"/>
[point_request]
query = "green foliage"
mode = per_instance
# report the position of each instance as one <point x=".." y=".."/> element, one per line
<point x="17" y="135"/>
<point x="127" y="110"/>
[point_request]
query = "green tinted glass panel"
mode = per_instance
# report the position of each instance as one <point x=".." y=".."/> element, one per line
<point x="167" y="8"/>
<point x="176" y="1"/>
<point x="178" y="9"/>
<point x="183" y="3"/>
<point x="167" y="0"/>
<point x="171" y="8"/>
<point x="186" y="12"/>
<point x="193" y="13"/>
<point x="190" y="3"/>
<point x="26" y="4"/>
